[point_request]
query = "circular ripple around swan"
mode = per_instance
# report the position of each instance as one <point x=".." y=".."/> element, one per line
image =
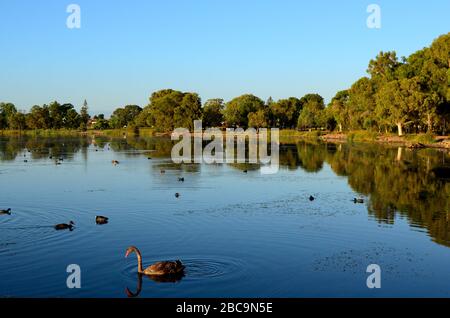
<point x="201" y="268"/>
<point x="210" y="268"/>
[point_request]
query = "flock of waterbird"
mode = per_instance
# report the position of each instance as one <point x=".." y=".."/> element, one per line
<point x="99" y="219"/>
<point x="159" y="269"/>
<point x="163" y="268"/>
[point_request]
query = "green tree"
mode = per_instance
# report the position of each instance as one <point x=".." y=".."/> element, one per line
<point x="213" y="112"/>
<point x="338" y="109"/>
<point x="162" y="108"/>
<point x="143" y="119"/>
<point x="285" y="112"/>
<point x="58" y="114"/>
<point x="7" y="110"/>
<point x="117" y="119"/>
<point x="72" y="119"/>
<point x="131" y="112"/>
<point x="237" y="110"/>
<point x="190" y="109"/>
<point x="431" y="79"/>
<point x="398" y="101"/>
<point x="123" y="117"/>
<point x="258" y="119"/>
<point x="84" y="115"/>
<point x="311" y="114"/>
<point x="38" y="117"/>
<point x="17" y="121"/>
<point x="440" y="53"/>
<point x="361" y="104"/>
<point x="440" y="50"/>
<point x="383" y="67"/>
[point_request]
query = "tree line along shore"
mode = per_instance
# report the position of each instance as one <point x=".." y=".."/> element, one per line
<point x="408" y="97"/>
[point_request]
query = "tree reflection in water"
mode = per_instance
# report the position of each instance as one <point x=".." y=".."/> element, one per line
<point x="397" y="181"/>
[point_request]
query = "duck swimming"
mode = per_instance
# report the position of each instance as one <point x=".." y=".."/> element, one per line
<point x="159" y="268"/>
<point x="177" y="195"/>
<point x="355" y="200"/>
<point x="101" y="219"/>
<point x="115" y="162"/>
<point x="7" y="211"/>
<point x="181" y="179"/>
<point x="311" y="198"/>
<point x="64" y="226"/>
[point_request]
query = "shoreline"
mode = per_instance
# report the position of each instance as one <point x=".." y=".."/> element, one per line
<point x="410" y="141"/>
<point x="413" y="141"/>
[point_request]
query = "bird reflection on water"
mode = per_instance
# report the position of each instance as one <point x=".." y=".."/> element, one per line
<point x="158" y="279"/>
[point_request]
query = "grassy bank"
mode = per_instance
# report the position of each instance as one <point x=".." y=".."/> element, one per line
<point x="286" y="136"/>
<point x="42" y="133"/>
<point x="410" y="140"/>
<point x="361" y="136"/>
<point x="144" y="132"/>
<point x="292" y="135"/>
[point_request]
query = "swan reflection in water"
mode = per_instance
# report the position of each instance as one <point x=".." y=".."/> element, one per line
<point x="159" y="279"/>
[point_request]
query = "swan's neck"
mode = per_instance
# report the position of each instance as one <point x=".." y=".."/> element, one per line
<point x="139" y="258"/>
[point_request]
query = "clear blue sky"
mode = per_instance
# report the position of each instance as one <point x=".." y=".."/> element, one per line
<point x="127" y="49"/>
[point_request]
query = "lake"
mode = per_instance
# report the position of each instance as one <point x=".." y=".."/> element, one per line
<point x="239" y="234"/>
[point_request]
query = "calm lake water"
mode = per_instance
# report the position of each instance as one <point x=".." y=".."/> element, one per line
<point x="239" y="234"/>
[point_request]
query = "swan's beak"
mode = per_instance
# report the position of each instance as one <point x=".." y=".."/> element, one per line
<point x="126" y="254"/>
